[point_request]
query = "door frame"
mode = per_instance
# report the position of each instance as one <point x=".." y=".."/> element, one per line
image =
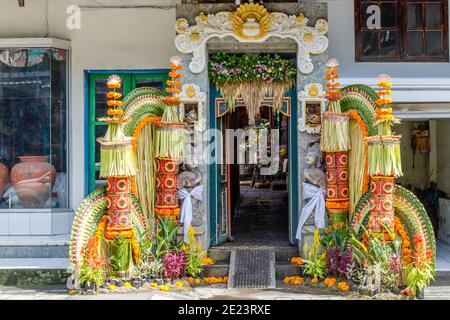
<point x="214" y="172"/>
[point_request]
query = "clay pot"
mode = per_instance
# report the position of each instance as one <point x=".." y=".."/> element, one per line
<point x="33" y="179"/>
<point x="4" y="178"/>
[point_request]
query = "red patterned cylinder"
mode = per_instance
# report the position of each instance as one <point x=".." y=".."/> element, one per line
<point x="382" y="204"/>
<point x="166" y="188"/>
<point x="337" y="175"/>
<point x="118" y="207"/>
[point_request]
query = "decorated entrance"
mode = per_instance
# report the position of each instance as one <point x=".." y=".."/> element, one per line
<point x="247" y="31"/>
<point x="240" y="184"/>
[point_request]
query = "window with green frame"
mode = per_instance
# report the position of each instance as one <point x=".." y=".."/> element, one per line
<point x="97" y="108"/>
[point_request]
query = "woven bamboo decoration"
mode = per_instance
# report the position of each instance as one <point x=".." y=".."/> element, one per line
<point x="335" y="142"/>
<point x="384" y="163"/>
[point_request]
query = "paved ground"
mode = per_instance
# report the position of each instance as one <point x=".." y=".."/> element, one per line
<point x="200" y="293"/>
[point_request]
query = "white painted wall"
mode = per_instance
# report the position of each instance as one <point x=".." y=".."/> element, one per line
<point x="108" y="39"/>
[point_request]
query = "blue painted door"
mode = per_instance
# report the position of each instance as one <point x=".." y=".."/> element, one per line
<point x="219" y="196"/>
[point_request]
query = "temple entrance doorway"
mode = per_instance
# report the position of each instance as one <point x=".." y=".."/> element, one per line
<point x="249" y="207"/>
<point x="259" y="202"/>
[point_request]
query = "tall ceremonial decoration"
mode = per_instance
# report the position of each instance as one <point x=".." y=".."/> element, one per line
<point x="384" y="162"/>
<point x="117" y="166"/>
<point x="335" y="142"/>
<point x="169" y="148"/>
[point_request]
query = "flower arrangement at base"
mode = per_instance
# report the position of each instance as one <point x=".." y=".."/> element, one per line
<point x="330" y="282"/>
<point x="174" y="264"/>
<point x="343" y="286"/>
<point x="315" y="264"/>
<point x="297" y="280"/>
<point x="421" y="270"/>
<point x="195" y="256"/>
<point x="213" y="280"/>
<point x="297" y="260"/>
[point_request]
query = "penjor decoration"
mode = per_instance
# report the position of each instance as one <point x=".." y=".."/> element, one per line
<point x="118" y="165"/>
<point x="335" y="142"/>
<point x="169" y="148"/>
<point x="384" y="162"/>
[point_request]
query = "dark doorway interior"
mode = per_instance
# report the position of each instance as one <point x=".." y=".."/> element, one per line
<point x="259" y="203"/>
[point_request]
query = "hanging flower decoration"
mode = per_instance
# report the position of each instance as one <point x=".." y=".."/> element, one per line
<point x="252" y="78"/>
<point x="174" y="83"/>
<point x="332" y="75"/>
<point x="114" y="101"/>
<point x="384" y="110"/>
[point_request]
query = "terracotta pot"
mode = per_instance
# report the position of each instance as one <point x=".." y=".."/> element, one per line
<point x="4" y="178"/>
<point x="33" y="179"/>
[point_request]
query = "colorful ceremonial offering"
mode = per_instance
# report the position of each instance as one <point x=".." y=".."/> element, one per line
<point x="376" y="235"/>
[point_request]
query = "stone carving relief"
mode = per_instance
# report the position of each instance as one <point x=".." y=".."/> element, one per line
<point x="312" y="104"/>
<point x="192" y="102"/>
<point x="251" y="22"/>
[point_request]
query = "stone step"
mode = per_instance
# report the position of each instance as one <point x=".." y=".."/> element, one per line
<point x="34" y="251"/>
<point x="31" y="272"/>
<point x="219" y="255"/>
<point x="286" y="253"/>
<point x="216" y="270"/>
<point x="286" y="269"/>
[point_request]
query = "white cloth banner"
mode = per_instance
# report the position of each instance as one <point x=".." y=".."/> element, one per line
<point x="316" y="204"/>
<point x="186" y="208"/>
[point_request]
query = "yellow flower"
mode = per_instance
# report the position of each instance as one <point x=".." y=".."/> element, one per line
<point x="112" y="287"/>
<point x="191" y="231"/>
<point x="206" y="261"/>
<point x="164" y="287"/>
<point x="179" y="284"/>
<point x="197" y="281"/>
<point x="153" y="284"/>
<point x="72" y="291"/>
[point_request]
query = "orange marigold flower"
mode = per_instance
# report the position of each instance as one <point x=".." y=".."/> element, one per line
<point x="314" y="280"/>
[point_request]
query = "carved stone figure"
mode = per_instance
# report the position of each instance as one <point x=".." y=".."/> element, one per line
<point x="312" y="173"/>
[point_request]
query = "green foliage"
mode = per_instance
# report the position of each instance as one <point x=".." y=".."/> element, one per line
<point x="194" y="254"/>
<point x="120" y="253"/>
<point x="85" y="221"/>
<point x="163" y="240"/>
<point x="224" y="67"/>
<point x="315" y="264"/>
<point x="90" y="275"/>
<point x="419" y="278"/>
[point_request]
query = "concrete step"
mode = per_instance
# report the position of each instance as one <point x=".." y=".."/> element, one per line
<point x="219" y="255"/>
<point x="286" y="269"/>
<point x="34" y="251"/>
<point x="286" y="253"/>
<point x="216" y="270"/>
<point x="34" y="246"/>
<point x="30" y="272"/>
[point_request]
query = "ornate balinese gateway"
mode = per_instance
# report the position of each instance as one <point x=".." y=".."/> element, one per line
<point x="132" y="225"/>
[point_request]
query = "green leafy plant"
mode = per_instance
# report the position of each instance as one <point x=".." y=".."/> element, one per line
<point x="421" y="271"/>
<point x="156" y="243"/>
<point x="315" y="263"/>
<point x="120" y="253"/>
<point x="90" y="275"/>
<point x="194" y="254"/>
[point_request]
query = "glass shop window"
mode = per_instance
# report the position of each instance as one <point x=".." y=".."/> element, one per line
<point x="401" y="30"/>
<point x="33" y="128"/>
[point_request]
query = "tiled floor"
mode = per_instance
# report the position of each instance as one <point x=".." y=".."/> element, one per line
<point x="442" y="256"/>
